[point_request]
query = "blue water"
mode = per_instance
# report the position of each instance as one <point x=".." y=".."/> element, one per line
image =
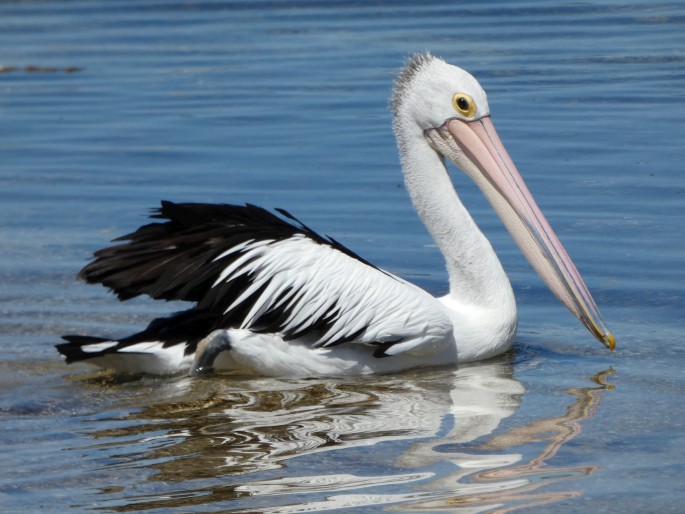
<point x="107" y="107"/>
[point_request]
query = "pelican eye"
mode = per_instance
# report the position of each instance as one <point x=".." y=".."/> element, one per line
<point x="464" y="105"/>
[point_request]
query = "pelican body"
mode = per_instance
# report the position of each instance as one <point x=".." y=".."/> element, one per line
<point x="273" y="297"/>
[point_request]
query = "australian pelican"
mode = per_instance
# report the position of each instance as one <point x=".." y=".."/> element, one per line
<point x="273" y="297"/>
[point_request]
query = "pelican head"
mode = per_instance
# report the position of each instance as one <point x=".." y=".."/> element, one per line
<point x="449" y="110"/>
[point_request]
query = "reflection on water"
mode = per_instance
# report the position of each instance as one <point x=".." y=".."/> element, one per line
<point x="298" y="445"/>
<point x="499" y="482"/>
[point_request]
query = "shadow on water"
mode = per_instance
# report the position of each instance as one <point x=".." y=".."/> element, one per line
<point x="299" y="445"/>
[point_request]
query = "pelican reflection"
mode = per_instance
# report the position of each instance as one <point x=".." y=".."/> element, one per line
<point x="441" y="437"/>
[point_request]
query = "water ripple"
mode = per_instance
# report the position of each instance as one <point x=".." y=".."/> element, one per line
<point x="280" y="441"/>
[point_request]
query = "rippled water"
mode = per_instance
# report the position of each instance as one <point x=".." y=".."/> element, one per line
<point x="107" y="107"/>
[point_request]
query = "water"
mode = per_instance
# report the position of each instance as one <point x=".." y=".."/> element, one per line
<point x="107" y="107"/>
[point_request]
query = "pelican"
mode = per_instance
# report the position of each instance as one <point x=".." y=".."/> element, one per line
<point x="275" y="298"/>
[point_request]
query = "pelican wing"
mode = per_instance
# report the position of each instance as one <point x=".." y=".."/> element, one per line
<point x="248" y="268"/>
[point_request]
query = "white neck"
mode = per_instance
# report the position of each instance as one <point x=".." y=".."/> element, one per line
<point x="476" y="276"/>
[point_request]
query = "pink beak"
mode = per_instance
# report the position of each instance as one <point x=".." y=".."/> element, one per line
<point x="476" y="148"/>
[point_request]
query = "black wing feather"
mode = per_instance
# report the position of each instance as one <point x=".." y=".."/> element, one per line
<point x="177" y="259"/>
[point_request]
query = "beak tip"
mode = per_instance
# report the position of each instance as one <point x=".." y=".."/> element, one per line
<point x="599" y="330"/>
<point x="609" y="340"/>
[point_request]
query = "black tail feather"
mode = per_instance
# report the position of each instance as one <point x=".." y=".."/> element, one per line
<point x="72" y="350"/>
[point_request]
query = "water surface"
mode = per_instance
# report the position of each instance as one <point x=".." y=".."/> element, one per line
<point x="108" y="107"/>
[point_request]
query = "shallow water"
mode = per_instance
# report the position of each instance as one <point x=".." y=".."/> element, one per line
<point x="107" y="107"/>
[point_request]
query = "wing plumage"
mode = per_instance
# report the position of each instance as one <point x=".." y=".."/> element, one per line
<point x="247" y="268"/>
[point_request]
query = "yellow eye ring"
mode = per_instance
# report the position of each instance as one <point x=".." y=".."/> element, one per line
<point x="464" y="105"/>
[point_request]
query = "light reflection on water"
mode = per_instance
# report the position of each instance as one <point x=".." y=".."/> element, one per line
<point x="252" y="442"/>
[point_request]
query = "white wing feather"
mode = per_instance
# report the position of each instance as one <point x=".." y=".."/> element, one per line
<point x="309" y="280"/>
